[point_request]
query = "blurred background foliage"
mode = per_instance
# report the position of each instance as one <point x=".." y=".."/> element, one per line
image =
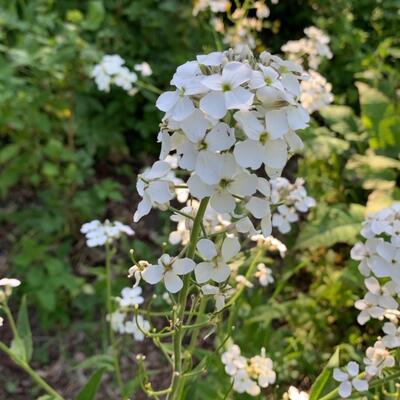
<point x="69" y="154"/>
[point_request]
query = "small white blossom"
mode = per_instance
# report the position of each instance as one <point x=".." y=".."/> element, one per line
<point x="348" y="380"/>
<point x="264" y="275"/>
<point x="144" y="68"/>
<point x="168" y="270"/>
<point x="98" y="234"/>
<point x="296" y="394"/>
<point x="136" y="327"/>
<point x="130" y="297"/>
<point x="392" y="337"/>
<point x="377" y="359"/>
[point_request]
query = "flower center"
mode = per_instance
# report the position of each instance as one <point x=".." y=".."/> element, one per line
<point x="226" y="87"/>
<point x="264" y="137"/>
<point x="202" y="145"/>
<point x="268" y="80"/>
<point x="224" y="183"/>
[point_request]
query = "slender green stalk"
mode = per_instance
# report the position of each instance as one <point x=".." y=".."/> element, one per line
<point x="177" y="342"/>
<point x="10" y="319"/>
<point x="33" y="374"/>
<point x="112" y="340"/>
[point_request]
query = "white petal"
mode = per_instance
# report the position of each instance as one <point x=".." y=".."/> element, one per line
<point x="244" y="184"/>
<point x="203" y="272"/>
<point x="213" y="104"/>
<point x="208" y="166"/>
<point x="221" y="137"/>
<point x="386" y="250"/>
<point x="167" y="100"/>
<point x="188" y="155"/>
<point x="259" y="208"/>
<point x="153" y="274"/>
<point x="198" y="188"/>
<point x="294" y="141"/>
<point x="159" y="191"/>
<point x="266" y="226"/>
<point x="158" y="170"/>
<point x="360" y="385"/>
<point x="264" y="187"/>
<point x="353" y="368"/>
<point x="195" y="126"/>
<point x="249" y="154"/>
<point x="297" y="117"/>
<point x="182" y="109"/>
<point x="212" y="59"/>
<point x="235" y="73"/>
<point x="238" y="98"/>
<point x="339" y="375"/>
<point x="220" y="274"/>
<point x="276" y="123"/>
<point x="275" y="154"/>
<point x="206" y="248"/>
<point x="291" y="83"/>
<point x="183" y="266"/>
<point x="248" y="121"/>
<point x="172" y="282"/>
<point x="230" y="247"/>
<point x="222" y="202"/>
<point x="143" y="208"/>
<point x="345" y="389"/>
<point x="213" y="82"/>
<point x="379" y="266"/>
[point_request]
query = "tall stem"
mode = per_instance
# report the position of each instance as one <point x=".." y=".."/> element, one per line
<point x="111" y="334"/>
<point x="177" y="341"/>
<point x="33" y="374"/>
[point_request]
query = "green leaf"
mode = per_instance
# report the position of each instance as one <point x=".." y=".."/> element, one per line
<point x="24" y="329"/>
<point x="98" y="361"/>
<point x="88" y="392"/>
<point x="331" y="225"/>
<point x="323" y="378"/>
<point x="94" y="16"/>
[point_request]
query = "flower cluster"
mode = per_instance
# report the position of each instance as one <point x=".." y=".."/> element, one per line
<point x="379" y="258"/>
<point x="292" y="199"/>
<point x="112" y="70"/>
<point x="123" y="321"/>
<point x="248" y="375"/>
<point x="296" y="394"/>
<point x="316" y="92"/>
<point x="241" y="32"/>
<point x="314" y="47"/>
<point x="99" y="234"/>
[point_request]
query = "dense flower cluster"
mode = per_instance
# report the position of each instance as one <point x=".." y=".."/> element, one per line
<point x="314" y="47"/>
<point x="243" y="28"/>
<point x="292" y="199"/>
<point x="379" y="258"/>
<point x="229" y="115"/>
<point x="248" y="375"/>
<point x="98" y="234"/>
<point x="316" y="92"/>
<point x="296" y="394"/>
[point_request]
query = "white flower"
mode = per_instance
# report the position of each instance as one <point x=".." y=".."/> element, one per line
<point x="264" y="275"/>
<point x="226" y="90"/>
<point x="10" y="282"/>
<point x="117" y="320"/>
<point x="1" y="321"/>
<point x="367" y="254"/>
<point x="155" y="186"/>
<point x="215" y="267"/>
<point x="144" y="68"/>
<point x="296" y="394"/>
<point x="221" y="179"/>
<point x="242" y="383"/>
<point x="220" y="294"/>
<point x="392" y="337"/>
<point x="233" y="361"/>
<point x="349" y="380"/>
<point x="136" y="327"/>
<point x="262" y="367"/>
<point x="130" y="297"/>
<point x="377" y="359"/>
<point x="242" y="281"/>
<point x="98" y="234"/>
<point x="270" y="243"/>
<point x="315" y="92"/>
<point x="283" y="218"/>
<point x="168" y="269"/>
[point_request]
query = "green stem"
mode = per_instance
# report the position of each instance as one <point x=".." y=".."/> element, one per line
<point x="33" y="374"/>
<point x="112" y="340"/>
<point x="10" y="319"/>
<point x="177" y="342"/>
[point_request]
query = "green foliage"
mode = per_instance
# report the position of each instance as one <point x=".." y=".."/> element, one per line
<point x="88" y="392"/>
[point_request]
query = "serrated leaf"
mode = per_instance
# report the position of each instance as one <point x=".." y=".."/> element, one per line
<point x="88" y="392"/>
<point x="331" y="225"/>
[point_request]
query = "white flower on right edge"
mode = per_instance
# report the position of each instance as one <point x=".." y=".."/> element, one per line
<point x="377" y="359"/>
<point x="215" y="265"/>
<point x="348" y="380"/>
<point x="168" y="270"/>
